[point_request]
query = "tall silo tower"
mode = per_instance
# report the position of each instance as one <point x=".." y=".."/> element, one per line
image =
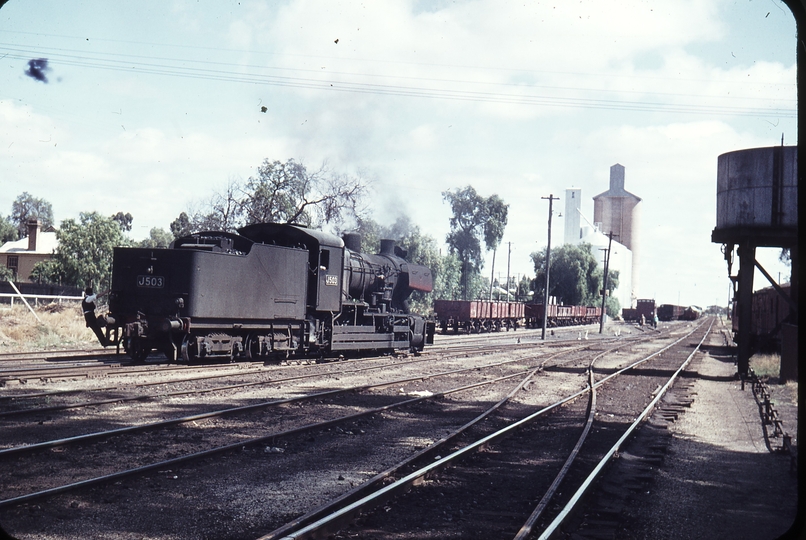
<point x="618" y="211"/>
<point x="573" y="204"/>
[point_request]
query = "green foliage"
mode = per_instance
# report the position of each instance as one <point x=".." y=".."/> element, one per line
<point x="84" y="255"/>
<point x="181" y="226"/>
<point x="575" y="277"/>
<point x="6" y="274"/>
<point x="517" y="291"/>
<point x="44" y="272"/>
<point x="289" y="193"/>
<point x="279" y="193"/>
<point x="474" y="218"/>
<point x="123" y="220"/>
<point x="8" y="231"/>
<point x="25" y="207"/>
<point x="158" y="238"/>
<point x="612" y="307"/>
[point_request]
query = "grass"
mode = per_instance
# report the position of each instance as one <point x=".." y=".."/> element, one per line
<point x="766" y="365"/>
<point x="62" y="326"/>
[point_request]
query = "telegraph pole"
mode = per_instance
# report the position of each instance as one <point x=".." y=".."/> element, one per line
<point x="509" y="254"/>
<point x="604" y="285"/>
<point x="492" y="275"/>
<point x="551" y="198"/>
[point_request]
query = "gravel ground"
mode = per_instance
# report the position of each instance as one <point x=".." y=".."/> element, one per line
<point x="718" y="479"/>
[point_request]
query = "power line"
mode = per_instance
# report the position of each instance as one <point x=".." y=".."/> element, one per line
<point x="177" y="68"/>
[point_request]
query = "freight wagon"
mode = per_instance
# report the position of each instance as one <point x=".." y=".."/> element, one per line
<point x="643" y="306"/>
<point x="670" y="312"/>
<point x="560" y="315"/>
<point x="477" y="315"/>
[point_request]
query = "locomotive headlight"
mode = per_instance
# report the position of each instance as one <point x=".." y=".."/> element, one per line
<point x="180" y="303"/>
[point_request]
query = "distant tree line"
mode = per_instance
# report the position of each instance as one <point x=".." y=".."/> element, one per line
<point x="286" y="192"/>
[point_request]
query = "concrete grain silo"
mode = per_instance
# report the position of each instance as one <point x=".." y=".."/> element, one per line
<point x="573" y="206"/>
<point x="617" y="211"/>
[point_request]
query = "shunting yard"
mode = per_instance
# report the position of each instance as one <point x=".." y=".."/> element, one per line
<point x="474" y="439"/>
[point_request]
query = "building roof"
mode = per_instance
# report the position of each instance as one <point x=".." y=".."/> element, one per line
<point x="617" y="184"/>
<point x="46" y="244"/>
<point x="617" y="193"/>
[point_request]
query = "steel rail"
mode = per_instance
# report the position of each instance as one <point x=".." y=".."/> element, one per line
<point x="147" y="397"/>
<point x="558" y="520"/>
<point x="527" y="527"/>
<point x="379" y="478"/>
<point x="253" y="441"/>
<point x="330" y="522"/>
<point x="234" y="410"/>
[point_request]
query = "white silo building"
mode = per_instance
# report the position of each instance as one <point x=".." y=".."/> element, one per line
<point x="618" y="211"/>
<point x="573" y="213"/>
<point x="611" y="207"/>
<point x="621" y="259"/>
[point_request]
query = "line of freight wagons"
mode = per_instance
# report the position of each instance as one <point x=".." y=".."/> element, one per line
<point x="473" y="316"/>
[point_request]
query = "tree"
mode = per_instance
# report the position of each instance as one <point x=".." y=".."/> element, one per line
<point x="8" y="232"/>
<point x="26" y="207"/>
<point x="158" y="238"/>
<point x="181" y="226"/>
<point x="288" y="193"/>
<point x="123" y="220"/>
<point x="84" y="255"/>
<point x="474" y="217"/>
<point x="279" y="193"/>
<point x="576" y="278"/>
<point x="222" y="212"/>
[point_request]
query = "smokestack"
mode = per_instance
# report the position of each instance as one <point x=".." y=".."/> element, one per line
<point x="352" y="241"/>
<point x="33" y="229"/>
<point x="387" y="247"/>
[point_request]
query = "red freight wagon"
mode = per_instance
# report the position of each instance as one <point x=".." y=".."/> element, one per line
<point x="477" y="315"/>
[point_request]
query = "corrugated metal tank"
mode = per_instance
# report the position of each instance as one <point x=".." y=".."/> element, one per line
<point x="757" y="188"/>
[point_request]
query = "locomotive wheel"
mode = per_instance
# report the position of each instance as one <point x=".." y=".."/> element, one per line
<point x="253" y="347"/>
<point x="137" y="349"/>
<point x="187" y="355"/>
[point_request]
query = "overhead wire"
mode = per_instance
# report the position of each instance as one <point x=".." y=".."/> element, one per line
<point x="176" y="67"/>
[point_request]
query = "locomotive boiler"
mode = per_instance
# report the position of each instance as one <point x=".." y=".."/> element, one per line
<point x="271" y="290"/>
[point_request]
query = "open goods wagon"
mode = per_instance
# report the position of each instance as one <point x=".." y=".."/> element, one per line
<point x="559" y="315"/>
<point x="477" y="315"/>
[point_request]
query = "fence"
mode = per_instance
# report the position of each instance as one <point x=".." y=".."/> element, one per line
<point x="37" y="297"/>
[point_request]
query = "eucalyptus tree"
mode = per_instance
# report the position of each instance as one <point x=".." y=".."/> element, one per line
<point x="475" y="218"/>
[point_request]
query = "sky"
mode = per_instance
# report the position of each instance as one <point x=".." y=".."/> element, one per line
<point x="151" y="107"/>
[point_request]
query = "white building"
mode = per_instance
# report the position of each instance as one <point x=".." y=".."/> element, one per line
<point x="21" y="255"/>
<point x="621" y="258"/>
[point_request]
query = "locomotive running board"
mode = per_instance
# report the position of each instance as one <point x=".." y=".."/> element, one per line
<point x="357" y="338"/>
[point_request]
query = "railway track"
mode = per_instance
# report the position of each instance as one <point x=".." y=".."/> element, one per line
<point x="502" y="469"/>
<point x="395" y="419"/>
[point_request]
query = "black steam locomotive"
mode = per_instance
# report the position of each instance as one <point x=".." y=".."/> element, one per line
<point x="271" y="290"/>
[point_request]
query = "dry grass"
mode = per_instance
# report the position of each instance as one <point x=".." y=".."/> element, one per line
<point x="766" y="365"/>
<point x="62" y="326"/>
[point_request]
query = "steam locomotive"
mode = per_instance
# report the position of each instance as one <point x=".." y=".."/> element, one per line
<point x="272" y="290"/>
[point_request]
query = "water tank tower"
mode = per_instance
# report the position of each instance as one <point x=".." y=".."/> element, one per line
<point x="757" y="206"/>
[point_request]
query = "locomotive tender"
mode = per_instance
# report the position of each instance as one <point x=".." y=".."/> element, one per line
<point x="271" y="290"/>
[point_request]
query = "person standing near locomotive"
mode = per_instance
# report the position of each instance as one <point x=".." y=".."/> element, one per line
<point x="88" y="307"/>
